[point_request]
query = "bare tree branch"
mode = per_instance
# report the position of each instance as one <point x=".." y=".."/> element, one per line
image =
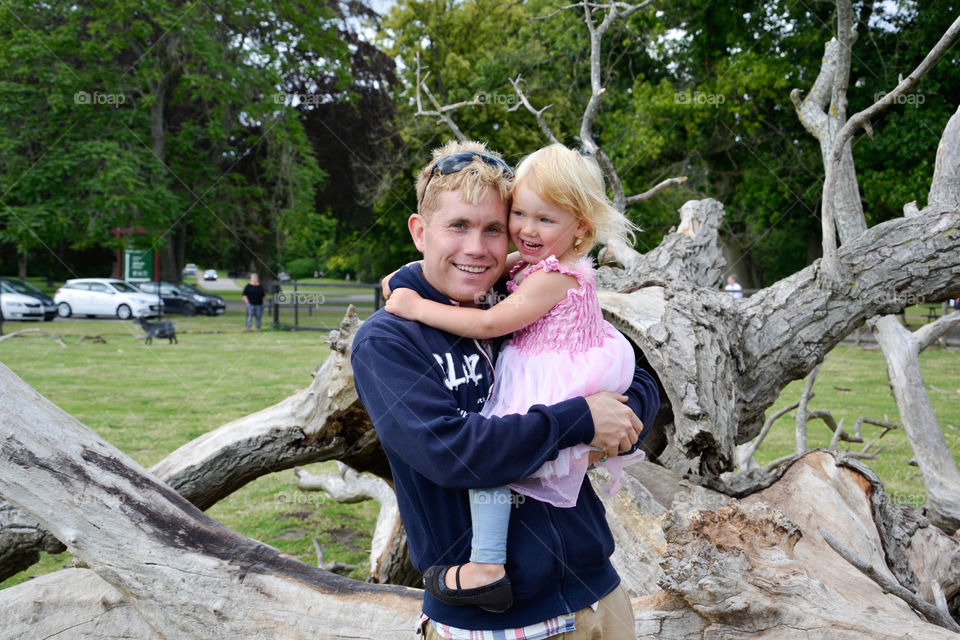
<point x="941" y="477"/>
<point x="924" y="608"/>
<point x="801" y="417"/>
<point x="652" y="191"/>
<point x="945" y="186"/>
<point x="930" y="333"/>
<point x="756" y="442"/>
<point x="831" y="264"/>
<point x="440" y="111"/>
<point x="23" y="332"/>
<point x="844" y="216"/>
<point x="544" y="127"/>
<point x="861" y="118"/>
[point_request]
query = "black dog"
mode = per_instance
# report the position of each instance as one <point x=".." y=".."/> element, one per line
<point x="163" y="329"/>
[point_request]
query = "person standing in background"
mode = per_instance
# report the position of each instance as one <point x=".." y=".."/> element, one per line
<point x="253" y="295"/>
<point x="733" y="287"/>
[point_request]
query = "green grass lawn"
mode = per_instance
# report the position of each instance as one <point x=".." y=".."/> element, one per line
<point x="853" y="383"/>
<point x="150" y="399"/>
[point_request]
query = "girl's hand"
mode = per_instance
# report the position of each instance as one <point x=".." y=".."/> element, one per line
<point x="404" y="303"/>
<point x="595" y="456"/>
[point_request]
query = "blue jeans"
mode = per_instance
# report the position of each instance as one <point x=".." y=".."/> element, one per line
<point x="490" y="516"/>
<point x="254" y="311"/>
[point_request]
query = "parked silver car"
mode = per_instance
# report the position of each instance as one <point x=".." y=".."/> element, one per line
<point x="105" y="297"/>
<point x="23" y="301"/>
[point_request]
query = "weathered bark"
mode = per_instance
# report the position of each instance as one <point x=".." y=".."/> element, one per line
<point x="71" y="603"/>
<point x="941" y="478"/>
<point x="187" y="575"/>
<point x="22" y="540"/>
<point x="758" y="568"/>
<point x="945" y="187"/>
<point x="692" y="253"/>
<point x="728" y="569"/>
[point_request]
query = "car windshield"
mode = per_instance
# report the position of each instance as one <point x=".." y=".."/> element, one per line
<point x="125" y="287"/>
<point x="189" y="288"/>
<point x="19" y="286"/>
<point x="6" y="287"/>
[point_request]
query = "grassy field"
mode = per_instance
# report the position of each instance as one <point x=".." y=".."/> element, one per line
<point x="853" y="383"/>
<point x="150" y="399"/>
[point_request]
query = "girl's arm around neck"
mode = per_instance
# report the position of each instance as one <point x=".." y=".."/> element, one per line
<point x="535" y="296"/>
<point x="385" y="282"/>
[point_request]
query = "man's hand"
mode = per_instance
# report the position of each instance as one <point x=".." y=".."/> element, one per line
<point x="615" y="426"/>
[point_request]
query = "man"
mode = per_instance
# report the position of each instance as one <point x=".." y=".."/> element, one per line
<point x="253" y="295"/>
<point x="423" y="389"/>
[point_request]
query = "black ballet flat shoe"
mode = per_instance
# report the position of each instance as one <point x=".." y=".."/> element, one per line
<point x="495" y="597"/>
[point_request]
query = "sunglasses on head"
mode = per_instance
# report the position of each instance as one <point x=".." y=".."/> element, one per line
<point x="459" y="161"/>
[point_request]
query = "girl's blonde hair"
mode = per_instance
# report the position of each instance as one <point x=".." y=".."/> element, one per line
<point x="472" y="181"/>
<point x="575" y="182"/>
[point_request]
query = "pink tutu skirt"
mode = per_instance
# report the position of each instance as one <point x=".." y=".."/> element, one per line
<point x="527" y="377"/>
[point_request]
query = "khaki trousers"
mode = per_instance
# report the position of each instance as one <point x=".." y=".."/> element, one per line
<point x="613" y="620"/>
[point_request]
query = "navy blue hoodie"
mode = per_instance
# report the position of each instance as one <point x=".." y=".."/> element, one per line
<point x="423" y="389"/>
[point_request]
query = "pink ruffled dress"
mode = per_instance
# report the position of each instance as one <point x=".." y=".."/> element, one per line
<point x="570" y="351"/>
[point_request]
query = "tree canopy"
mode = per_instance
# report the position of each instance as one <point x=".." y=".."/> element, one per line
<point x="254" y="134"/>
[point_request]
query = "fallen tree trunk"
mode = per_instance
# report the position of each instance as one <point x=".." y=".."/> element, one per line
<point x="322" y="422"/>
<point x="757" y="568"/>
<point x="754" y="568"/>
<point x="187" y="575"/>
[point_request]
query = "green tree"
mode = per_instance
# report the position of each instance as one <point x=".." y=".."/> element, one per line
<point x="168" y="117"/>
<point x="692" y="88"/>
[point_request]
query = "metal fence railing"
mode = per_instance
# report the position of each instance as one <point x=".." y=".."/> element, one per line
<point x="311" y="306"/>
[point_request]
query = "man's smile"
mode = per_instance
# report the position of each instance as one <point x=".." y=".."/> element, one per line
<point x="470" y="269"/>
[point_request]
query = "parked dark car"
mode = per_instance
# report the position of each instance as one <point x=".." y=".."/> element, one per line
<point x="185" y="298"/>
<point x="46" y="309"/>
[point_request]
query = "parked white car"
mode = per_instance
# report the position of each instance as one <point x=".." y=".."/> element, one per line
<point x="105" y="297"/>
<point x="17" y="306"/>
<point x="23" y="301"/>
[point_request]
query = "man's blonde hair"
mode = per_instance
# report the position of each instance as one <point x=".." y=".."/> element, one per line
<point x="472" y="182"/>
<point x="574" y="182"/>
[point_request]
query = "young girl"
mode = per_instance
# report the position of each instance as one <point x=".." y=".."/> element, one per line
<point x="561" y="345"/>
